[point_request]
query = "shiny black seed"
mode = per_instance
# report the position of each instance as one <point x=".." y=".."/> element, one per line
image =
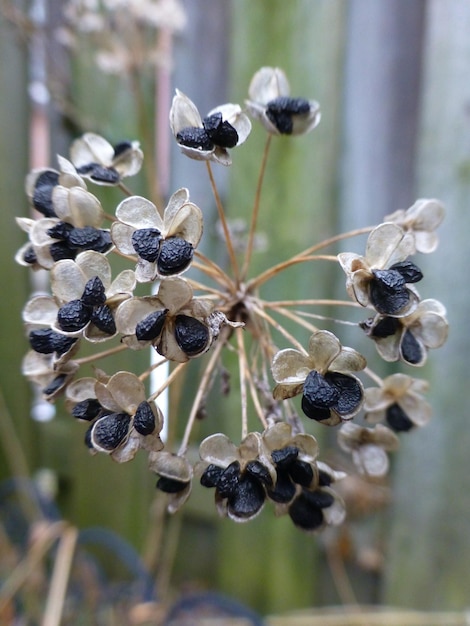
<point x="29" y="256"/>
<point x="61" y="230"/>
<point x="87" y="409"/>
<point x="175" y="256"/>
<point x="85" y="238"/>
<point x="221" y="132"/>
<point x="260" y="472"/>
<point x="47" y="341"/>
<point x="248" y="497"/>
<point x="55" y="385"/>
<point x="42" y="196"/>
<point x="410" y="348"/>
<point x="385" y="327"/>
<point x="60" y="250"/>
<point x="191" y="335"/>
<point x="110" y="431"/>
<point x="397" y="419"/>
<point x="324" y="478"/>
<point x="151" y="326"/>
<point x="211" y="475"/>
<point x="103" y="242"/>
<point x="170" y="485"/>
<point x="94" y="292"/>
<point x="284" y="490"/>
<point x="350" y="392"/>
<point x="102" y="318"/>
<point x="121" y="147"/>
<point x="229" y="479"/>
<point x="409" y="271"/>
<point x="146" y="242"/>
<point x="193" y="137"/>
<point x="387" y="291"/>
<point x="99" y="173"/>
<point x="144" y="419"/>
<point x="306" y="510"/>
<point x="320" y="391"/>
<point x="280" y="111"/>
<point x="301" y="473"/>
<point x="73" y="316"/>
<point x="285" y="456"/>
<point x="314" y="412"/>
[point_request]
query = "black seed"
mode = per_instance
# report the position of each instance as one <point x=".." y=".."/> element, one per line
<point x="324" y="478"/>
<point x="385" y="327"/>
<point x="102" y="318"/>
<point x="259" y="471"/>
<point x="29" y="256"/>
<point x="191" y="335"/>
<point x="350" y="392"/>
<point x="211" y="475"/>
<point x="387" y="291"/>
<point x="87" y="409"/>
<point x="170" y="485"/>
<point x="280" y="111"/>
<point x="47" y="341"/>
<point x="390" y="280"/>
<point x="60" y="250"/>
<point x="410" y="348"/>
<point x="284" y="490"/>
<point x="146" y="242"/>
<point x="301" y="473"/>
<point x="100" y="173"/>
<point x="73" y="316"/>
<point x="110" y="431"/>
<point x="409" y="271"/>
<point x="61" y="230"/>
<point x="42" y="196"/>
<point x="304" y="515"/>
<point x="397" y="419"/>
<point x="103" y="243"/>
<point x="320" y="391"/>
<point x="221" y="132"/>
<point x="151" y="326"/>
<point x="314" y="412"/>
<point x="193" y="137"/>
<point x="94" y="292"/>
<point x="144" y="419"/>
<point x="175" y="256"/>
<point x="229" y="479"/>
<point x="248" y="498"/>
<point x="85" y="238"/>
<point x="87" y="438"/>
<point x="285" y="456"/>
<point x="55" y="385"/>
<point x="121" y="147"/>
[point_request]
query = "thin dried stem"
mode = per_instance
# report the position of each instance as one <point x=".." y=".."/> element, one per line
<point x="254" y="283"/>
<point x="243" y="368"/>
<point x="223" y="221"/>
<point x="171" y="377"/>
<point x="262" y="313"/>
<point x="101" y="355"/>
<point x="152" y="368"/>
<point x="256" y="207"/>
<point x="295" y="317"/>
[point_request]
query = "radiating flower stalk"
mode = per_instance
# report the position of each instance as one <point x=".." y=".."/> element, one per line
<point x="289" y="389"/>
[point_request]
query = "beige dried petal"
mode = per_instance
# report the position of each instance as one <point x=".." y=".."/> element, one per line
<point x="139" y="212"/>
<point x="175" y="293"/>
<point x="77" y="206"/>
<point x="81" y="389"/>
<point x="187" y="223"/>
<point x="91" y="148"/>
<point x="168" y="347"/>
<point x="93" y="264"/>
<point x="40" y="310"/>
<point x="127" y="390"/>
<point x="290" y="366"/>
<point x="67" y="281"/>
<point x="383" y="243"/>
<point x="183" y="113"/>
<point x="348" y="360"/>
<point x="121" y="235"/>
<point x="218" y="450"/>
<point x="267" y="84"/>
<point x="323" y="348"/>
<point x="134" y="310"/>
<point x="177" y="200"/>
<point x="171" y="466"/>
<point x="122" y="285"/>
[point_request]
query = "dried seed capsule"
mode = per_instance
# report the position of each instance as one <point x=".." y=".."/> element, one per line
<point x="42" y="196"/>
<point x="349" y="389"/>
<point x="102" y="318"/>
<point x="121" y="147"/>
<point x="280" y="111"/>
<point x="191" y="335"/>
<point x="397" y="419"/>
<point x="247" y="499"/>
<point x="74" y="316"/>
<point x="151" y="326"/>
<point x="87" y="409"/>
<point x="319" y="391"/>
<point x="410" y="348"/>
<point x="144" y="419"/>
<point x="221" y="132"/>
<point x="146" y="242"/>
<point x="194" y="137"/>
<point x="388" y="292"/>
<point x="175" y="256"/>
<point x="94" y="292"/>
<point x="385" y="327"/>
<point x="110" y="431"/>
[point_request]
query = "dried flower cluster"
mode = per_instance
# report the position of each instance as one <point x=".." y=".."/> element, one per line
<point x="182" y="319"/>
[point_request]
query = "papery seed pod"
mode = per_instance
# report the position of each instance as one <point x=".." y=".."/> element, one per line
<point x="146" y="242"/>
<point x="175" y="256"/>
<point x="170" y="485"/>
<point x="191" y="335"/>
